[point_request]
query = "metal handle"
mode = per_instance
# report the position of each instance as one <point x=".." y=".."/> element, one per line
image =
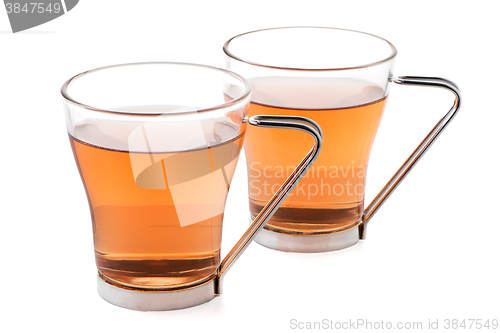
<point x="421" y="149"/>
<point x="288" y="122"/>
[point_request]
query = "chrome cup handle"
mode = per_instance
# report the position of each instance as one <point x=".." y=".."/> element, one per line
<point x="421" y="149"/>
<point x="287" y="122"/>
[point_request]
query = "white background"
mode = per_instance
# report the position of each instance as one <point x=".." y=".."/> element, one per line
<point x="432" y="250"/>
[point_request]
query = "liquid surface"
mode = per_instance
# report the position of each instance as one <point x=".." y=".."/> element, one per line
<point x="156" y="216"/>
<point x="331" y="196"/>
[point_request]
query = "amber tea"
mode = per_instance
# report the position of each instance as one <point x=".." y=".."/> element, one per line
<point x="156" y="215"/>
<point x="331" y="196"/>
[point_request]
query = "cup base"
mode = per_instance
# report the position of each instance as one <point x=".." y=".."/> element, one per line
<point x="157" y="300"/>
<point x="308" y="243"/>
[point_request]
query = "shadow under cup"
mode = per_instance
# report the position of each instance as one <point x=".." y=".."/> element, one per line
<point x="156" y="145"/>
<point x="339" y="79"/>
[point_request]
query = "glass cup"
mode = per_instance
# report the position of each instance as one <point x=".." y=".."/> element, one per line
<point x="156" y="145"/>
<point x="341" y="80"/>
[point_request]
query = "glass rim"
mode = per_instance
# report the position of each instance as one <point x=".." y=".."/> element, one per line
<point x="247" y="89"/>
<point x="393" y="53"/>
